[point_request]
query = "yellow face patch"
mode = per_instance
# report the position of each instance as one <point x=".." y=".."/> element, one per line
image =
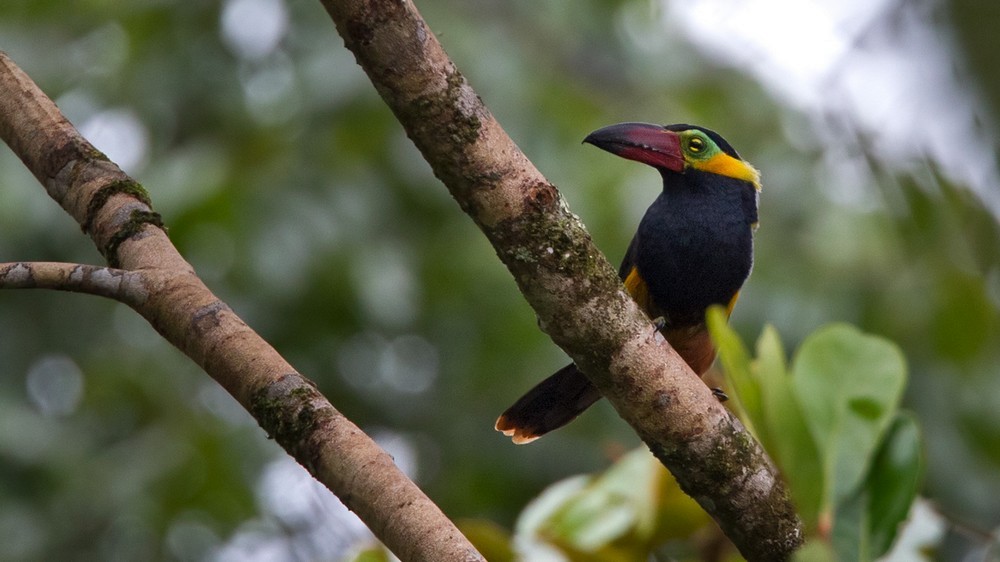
<point x="725" y="165"/>
<point x="702" y="153"/>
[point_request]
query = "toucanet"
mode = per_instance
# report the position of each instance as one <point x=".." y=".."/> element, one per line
<point x="693" y="249"/>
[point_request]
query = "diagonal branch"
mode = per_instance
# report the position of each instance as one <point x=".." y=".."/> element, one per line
<point x="163" y="288"/>
<point x="575" y="292"/>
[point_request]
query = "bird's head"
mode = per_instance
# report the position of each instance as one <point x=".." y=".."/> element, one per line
<point x="675" y="149"/>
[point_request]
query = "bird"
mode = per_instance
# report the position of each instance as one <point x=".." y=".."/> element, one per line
<point x="693" y="249"/>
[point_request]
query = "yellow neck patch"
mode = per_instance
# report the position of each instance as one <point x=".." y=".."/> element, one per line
<point x="725" y="165"/>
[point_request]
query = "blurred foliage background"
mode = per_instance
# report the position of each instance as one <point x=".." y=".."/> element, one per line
<point x="298" y="198"/>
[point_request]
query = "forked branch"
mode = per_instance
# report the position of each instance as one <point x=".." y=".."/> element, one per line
<point x="157" y="282"/>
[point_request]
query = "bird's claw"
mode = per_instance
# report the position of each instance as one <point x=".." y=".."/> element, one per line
<point x="720" y="394"/>
<point x="660" y="322"/>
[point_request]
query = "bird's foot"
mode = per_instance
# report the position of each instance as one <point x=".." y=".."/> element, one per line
<point x="660" y="322"/>
<point x="720" y="394"/>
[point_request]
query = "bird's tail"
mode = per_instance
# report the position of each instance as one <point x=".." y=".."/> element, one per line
<point x="551" y="404"/>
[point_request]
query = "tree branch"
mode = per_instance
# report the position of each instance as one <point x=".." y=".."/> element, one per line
<point x="117" y="284"/>
<point x="575" y="292"/>
<point x="157" y="282"/>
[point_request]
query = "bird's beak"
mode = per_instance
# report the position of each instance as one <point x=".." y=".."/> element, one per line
<point x="650" y="144"/>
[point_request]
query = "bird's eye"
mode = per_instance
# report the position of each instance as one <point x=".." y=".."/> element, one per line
<point x="696" y="145"/>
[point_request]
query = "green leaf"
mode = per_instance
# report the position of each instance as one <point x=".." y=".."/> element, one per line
<point x="921" y="536"/>
<point x="785" y="434"/>
<point x="849" y="385"/>
<point x="851" y="537"/>
<point x="736" y="362"/>
<point x="893" y="482"/>
<point x="620" y="515"/>
<point x="621" y="501"/>
<point x="867" y="522"/>
<point x="541" y="509"/>
<point x="766" y="400"/>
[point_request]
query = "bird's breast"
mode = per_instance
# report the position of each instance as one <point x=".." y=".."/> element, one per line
<point x="696" y="249"/>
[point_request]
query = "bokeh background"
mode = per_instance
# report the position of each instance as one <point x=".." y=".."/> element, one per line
<point x="288" y="184"/>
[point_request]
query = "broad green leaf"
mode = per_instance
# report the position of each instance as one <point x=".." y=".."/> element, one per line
<point x="541" y="509"/>
<point x="920" y="536"/>
<point x="851" y="538"/>
<point x="867" y="522"/>
<point x="530" y="536"/>
<point x="620" y="515"/>
<point x="588" y="515"/>
<point x="893" y="482"/>
<point x="736" y="362"/>
<point x="785" y="434"/>
<point x="849" y="385"/>
<point x="619" y="502"/>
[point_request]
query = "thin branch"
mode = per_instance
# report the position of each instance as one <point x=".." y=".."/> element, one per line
<point x="117" y="284"/>
<point x="116" y="211"/>
<point x="574" y="291"/>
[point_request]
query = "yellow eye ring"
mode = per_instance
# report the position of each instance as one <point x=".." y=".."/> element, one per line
<point x="696" y="144"/>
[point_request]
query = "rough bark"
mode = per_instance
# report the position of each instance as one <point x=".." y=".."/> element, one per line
<point x="159" y="284"/>
<point x="575" y="292"/>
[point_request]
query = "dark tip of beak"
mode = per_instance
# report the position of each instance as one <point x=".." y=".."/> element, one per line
<point x="653" y="145"/>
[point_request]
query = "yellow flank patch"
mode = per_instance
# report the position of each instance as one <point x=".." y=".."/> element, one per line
<point x="725" y="165"/>
<point x="636" y="286"/>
